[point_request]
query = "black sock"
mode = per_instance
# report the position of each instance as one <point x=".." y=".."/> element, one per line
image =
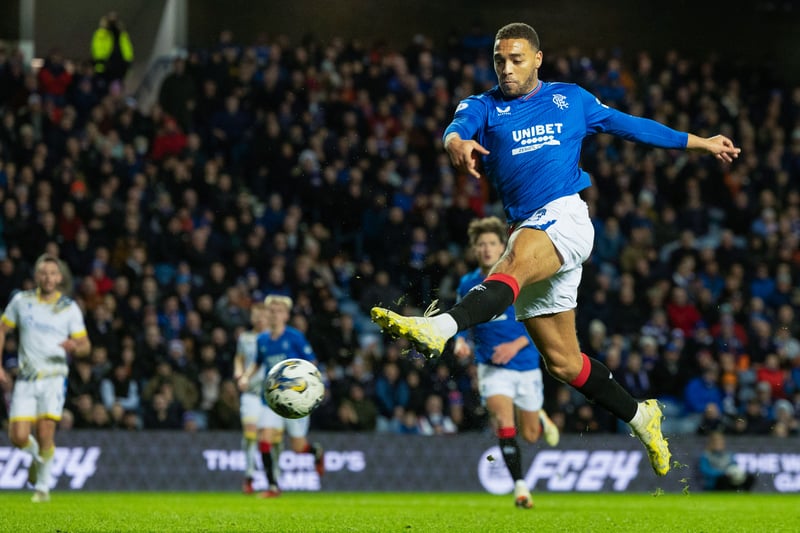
<point x="484" y="302"/>
<point x="266" y="458"/>
<point x="511" y="455"/>
<point x="600" y="387"/>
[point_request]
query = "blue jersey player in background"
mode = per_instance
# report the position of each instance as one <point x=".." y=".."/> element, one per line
<point x="508" y="363"/>
<point x="278" y="343"/>
<point x="528" y="134"/>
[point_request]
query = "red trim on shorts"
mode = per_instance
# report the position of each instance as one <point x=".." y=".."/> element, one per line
<point x="586" y="369"/>
<point x="264" y="446"/>
<point x="505" y="278"/>
<point x="507" y="433"/>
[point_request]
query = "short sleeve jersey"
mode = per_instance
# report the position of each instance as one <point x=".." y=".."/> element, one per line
<point x="42" y="327"/>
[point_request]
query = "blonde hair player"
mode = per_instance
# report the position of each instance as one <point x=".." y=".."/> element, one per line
<point x="281" y="342"/>
<point x="51" y="329"/>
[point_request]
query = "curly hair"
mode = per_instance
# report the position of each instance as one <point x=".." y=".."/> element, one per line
<point x="519" y="30"/>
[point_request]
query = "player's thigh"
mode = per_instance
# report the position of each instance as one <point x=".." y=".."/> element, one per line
<point x="555" y="238"/>
<point x="498" y="387"/>
<point x="269" y="419"/>
<point x="297" y="428"/>
<point x="249" y="409"/>
<point x="530" y="256"/>
<point x="556" y="338"/>
<point x="24" y="402"/>
<point x="50" y="395"/>
<point x="501" y="408"/>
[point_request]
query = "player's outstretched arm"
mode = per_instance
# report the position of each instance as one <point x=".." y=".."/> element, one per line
<point x="719" y="146"/>
<point x="464" y="153"/>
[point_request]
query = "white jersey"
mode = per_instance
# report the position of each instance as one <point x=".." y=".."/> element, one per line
<point x="246" y="347"/>
<point x="42" y="327"/>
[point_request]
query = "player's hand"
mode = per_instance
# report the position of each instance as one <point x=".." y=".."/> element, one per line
<point x="3" y="377"/>
<point x="69" y="345"/>
<point x="503" y="353"/>
<point x="719" y="146"/>
<point x="464" y="155"/>
<point x="241" y="383"/>
<point x="461" y="348"/>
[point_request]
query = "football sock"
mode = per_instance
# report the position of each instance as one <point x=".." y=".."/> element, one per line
<point x="32" y="447"/>
<point x="275" y="452"/>
<point x="43" y="481"/>
<point x="485" y="301"/>
<point x="599" y="386"/>
<point x="266" y="458"/>
<point x="510" y="449"/>
<point x="250" y="447"/>
<point x="311" y="448"/>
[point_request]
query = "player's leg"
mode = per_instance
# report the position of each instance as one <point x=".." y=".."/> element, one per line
<point x="269" y="423"/>
<point x="276" y="450"/>
<point x="555" y="336"/>
<point x="22" y="418"/>
<point x="498" y="386"/>
<point x="529" y="399"/>
<point x="50" y="394"/>
<point x="529" y="257"/>
<point x="501" y="408"/>
<point x="45" y="434"/>
<point x="298" y="440"/>
<point x="249" y="408"/>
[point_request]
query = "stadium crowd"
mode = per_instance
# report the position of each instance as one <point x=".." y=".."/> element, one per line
<point x="315" y="170"/>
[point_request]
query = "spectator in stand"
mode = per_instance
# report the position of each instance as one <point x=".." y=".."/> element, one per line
<point x="391" y="396"/>
<point x="702" y="390"/>
<point x="718" y="467"/>
<point x="55" y="77"/>
<point x="681" y="311"/>
<point x="112" y="52"/>
<point x="177" y="94"/>
<point x="433" y="421"/>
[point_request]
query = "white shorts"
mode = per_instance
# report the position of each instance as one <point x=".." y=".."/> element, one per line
<point x="566" y="221"/>
<point x="525" y="387"/>
<point x="39" y="398"/>
<point x="253" y="411"/>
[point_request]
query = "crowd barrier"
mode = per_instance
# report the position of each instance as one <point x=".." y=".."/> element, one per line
<point x="213" y="461"/>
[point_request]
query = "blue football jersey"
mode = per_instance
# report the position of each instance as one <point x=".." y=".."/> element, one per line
<point x="535" y="140"/>
<point x="292" y="344"/>
<point x="504" y="328"/>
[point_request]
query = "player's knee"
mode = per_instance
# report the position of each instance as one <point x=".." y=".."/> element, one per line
<point x="564" y="368"/>
<point x="531" y="434"/>
<point x="18" y="438"/>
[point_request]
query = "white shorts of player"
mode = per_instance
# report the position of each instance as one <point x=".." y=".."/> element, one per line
<point x="253" y="411"/>
<point x="566" y="221"/>
<point x="38" y="398"/>
<point x="525" y="387"/>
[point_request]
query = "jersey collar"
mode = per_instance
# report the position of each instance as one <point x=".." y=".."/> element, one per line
<point x="533" y="91"/>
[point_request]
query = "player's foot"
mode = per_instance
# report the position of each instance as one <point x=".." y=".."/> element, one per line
<point x="649" y="432"/>
<point x="420" y="331"/>
<point x="522" y="496"/>
<point x="247" y="485"/>
<point x="319" y="458"/>
<point x="272" y="492"/>
<point x="40" y="496"/>
<point x="550" y="430"/>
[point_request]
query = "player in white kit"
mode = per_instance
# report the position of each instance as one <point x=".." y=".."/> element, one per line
<point x="252" y="410"/>
<point x="50" y="327"/>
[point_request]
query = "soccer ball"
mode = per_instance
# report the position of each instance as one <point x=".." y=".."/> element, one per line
<point x="736" y="474"/>
<point x="293" y="388"/>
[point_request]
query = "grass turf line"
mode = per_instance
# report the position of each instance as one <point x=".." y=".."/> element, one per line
<point x="75" y="512"/>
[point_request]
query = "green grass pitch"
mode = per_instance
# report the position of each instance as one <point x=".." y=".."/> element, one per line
<point x="74" y="512"/>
